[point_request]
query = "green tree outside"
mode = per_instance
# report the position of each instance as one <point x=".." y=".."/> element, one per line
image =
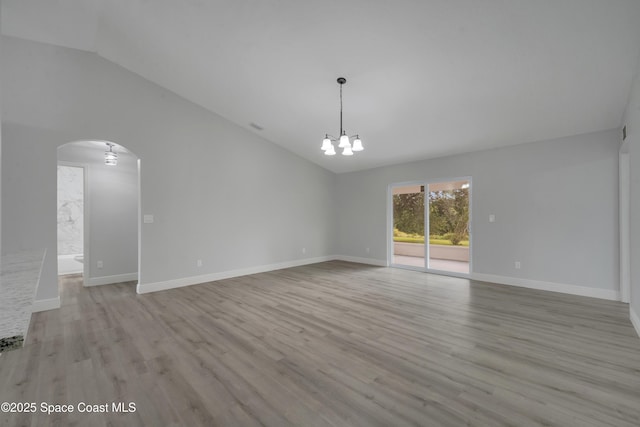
<point x="408" y="213"/>
<point x="448" y="215"/>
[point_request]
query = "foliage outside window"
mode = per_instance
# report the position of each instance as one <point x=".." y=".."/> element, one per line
<point x="448" y="217"/>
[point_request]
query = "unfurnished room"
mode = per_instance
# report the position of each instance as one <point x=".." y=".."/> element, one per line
<point x="320" y="213"/>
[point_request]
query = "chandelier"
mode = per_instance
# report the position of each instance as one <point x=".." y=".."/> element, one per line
<point x="344" y="141"/>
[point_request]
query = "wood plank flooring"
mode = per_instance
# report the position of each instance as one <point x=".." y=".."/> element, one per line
<point x="330" y="344"/>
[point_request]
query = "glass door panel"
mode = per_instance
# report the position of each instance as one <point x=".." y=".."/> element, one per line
<point x="408" y="226"/>
<point x="449" y="226"/>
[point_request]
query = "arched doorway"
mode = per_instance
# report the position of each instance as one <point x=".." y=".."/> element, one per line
<point x="104" y="222"/>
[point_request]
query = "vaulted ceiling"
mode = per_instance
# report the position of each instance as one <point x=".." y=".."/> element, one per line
<point x="426" y="78"/>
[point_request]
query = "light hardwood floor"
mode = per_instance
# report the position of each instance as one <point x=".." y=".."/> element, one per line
<point x="336" y="344"/>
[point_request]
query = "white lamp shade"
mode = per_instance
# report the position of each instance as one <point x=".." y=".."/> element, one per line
<point x="344" y="141"/>
<point x="347" y="151"/>
<point x="325" y="144"/>
<point x="357" y="145"/>
<point x="330" y="151"/>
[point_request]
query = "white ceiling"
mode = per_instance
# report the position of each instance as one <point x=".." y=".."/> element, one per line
<point x="426" y="78"/>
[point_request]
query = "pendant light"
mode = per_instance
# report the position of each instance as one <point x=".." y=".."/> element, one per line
<point x="344" y="141"/>
<point x="110" y="158"/>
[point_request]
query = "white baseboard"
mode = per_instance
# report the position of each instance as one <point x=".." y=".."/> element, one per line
<point x="108" y="280"/>
<point x="584" y="291"/>
<point x="45" y="304"/>
<point x="360" y="260"/>
<point x="144" y="288"/>
<point x="635" y="319"/>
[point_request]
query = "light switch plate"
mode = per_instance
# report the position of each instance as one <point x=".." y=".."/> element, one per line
<point x="148" y="219"/>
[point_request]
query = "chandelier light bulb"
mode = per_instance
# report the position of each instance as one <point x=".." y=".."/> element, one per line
<point x="344" y="141"/>
<point x="347" y="151"/>
<point x="357" y="144"/>
<point x="330" y="151"/>
<point x="326" y="142"/>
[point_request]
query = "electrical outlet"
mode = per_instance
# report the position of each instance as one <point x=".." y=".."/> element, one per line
<point x="304" y="250"/>
<point x="368" y="250"/>
<point x="492" y="218"/>
<point x="518" y="264"/>
<point x="199" y="263"/>
<point x="100" y="264"/>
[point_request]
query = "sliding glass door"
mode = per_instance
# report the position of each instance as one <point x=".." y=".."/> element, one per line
<point x="441" y="212"/>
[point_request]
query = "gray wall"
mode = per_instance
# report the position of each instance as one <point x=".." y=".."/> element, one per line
<point x="632" y="120"/>
<point x="218" y="192"/>
<point x="112" y="196"/>
<point x="555" y="204"/>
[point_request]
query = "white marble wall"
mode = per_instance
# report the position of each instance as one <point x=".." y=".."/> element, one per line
<point x="70" y="210"/>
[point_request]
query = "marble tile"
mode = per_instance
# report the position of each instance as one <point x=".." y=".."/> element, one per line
<point x="18" y="283"/>
<point x="70" y="210"/>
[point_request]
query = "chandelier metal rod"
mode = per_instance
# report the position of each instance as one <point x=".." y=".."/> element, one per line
<point x="341" y="109"/>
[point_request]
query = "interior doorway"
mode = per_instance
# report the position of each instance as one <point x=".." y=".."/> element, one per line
<point x="430" y="226"/>
<point x="99" y="209"/>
